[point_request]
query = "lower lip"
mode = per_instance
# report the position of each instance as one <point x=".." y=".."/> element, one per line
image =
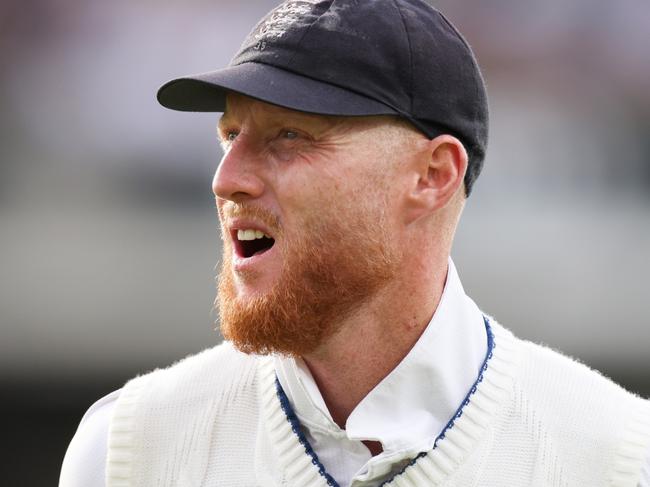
<point x="241" y="264"/>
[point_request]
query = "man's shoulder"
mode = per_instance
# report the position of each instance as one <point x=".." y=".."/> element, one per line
<point x="558" y="385"/>
<point x="548" y="368"/>
<point x="224" y="355"/>
<point x="214" y="368"/>
<point x="575" y="415"/>
<point x="183" y="408"/>
<point x="84" y="464"/>
<point x="568" y="399"/>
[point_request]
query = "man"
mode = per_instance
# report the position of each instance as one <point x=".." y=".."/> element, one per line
<point x="353" y="133"/>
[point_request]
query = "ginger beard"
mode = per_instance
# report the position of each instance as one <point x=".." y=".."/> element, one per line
<point x="341" y="259"/>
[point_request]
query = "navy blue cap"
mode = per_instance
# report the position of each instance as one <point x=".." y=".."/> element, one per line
<point x="353" y="58"/>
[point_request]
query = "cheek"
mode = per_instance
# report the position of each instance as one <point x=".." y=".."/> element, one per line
<point x="342" y="180"/>
<point x="304" y="188"/>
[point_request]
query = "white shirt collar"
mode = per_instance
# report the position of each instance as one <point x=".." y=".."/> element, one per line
<point x="409" y="408"/>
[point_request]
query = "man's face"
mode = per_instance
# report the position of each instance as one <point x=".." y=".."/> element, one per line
<point x="306" y="216"/>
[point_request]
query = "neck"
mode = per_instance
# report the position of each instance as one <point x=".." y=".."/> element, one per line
<point x="372" y="342"/>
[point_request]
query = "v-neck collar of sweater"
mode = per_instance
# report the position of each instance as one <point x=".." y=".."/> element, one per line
<point x="451" y="447"/>
<point x="419" y="395"/>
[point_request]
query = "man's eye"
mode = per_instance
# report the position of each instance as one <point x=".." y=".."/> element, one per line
<point x="231" y="136"/>
<point x="289" y="134"/>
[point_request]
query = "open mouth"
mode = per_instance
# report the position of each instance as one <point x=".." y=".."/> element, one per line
<point x="249" y="242"/>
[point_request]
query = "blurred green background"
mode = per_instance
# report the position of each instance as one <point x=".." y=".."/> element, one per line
<point x="109" y="240"/>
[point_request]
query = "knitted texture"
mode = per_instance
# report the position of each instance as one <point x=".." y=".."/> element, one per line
<point x="536" y="418"/>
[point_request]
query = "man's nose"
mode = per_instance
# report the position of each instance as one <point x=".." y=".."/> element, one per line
<point x="237" y="178"/>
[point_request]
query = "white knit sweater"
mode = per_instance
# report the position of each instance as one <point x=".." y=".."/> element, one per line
<point x="534" y="418"/>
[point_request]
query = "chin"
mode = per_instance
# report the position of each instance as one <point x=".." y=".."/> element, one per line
<point x="252" y="283"/>
<point x="246" y="291"/>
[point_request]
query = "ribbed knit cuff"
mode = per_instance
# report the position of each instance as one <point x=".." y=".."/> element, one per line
<point x="635" y="446"/>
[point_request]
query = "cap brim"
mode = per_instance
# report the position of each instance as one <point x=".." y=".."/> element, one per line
<point x="207" y="92"/>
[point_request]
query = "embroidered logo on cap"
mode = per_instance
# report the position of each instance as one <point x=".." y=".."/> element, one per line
<point x="278" y="22"/>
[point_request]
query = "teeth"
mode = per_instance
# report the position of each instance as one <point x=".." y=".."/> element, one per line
<point x="250" y="234"/>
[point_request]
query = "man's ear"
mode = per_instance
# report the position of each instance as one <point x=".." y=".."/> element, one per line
<point x="440" y="172"/>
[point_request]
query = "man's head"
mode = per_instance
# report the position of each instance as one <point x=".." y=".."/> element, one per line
<point x="319" y="214"/>
<point x="346" y="132"/>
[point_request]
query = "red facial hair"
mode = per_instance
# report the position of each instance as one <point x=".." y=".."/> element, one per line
<point x="340" y="259"/>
